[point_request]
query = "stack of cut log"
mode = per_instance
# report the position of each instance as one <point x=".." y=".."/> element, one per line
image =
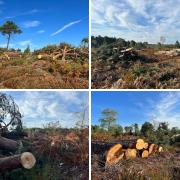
<point x="8" y="163"/>
<point x="129" y="149"/>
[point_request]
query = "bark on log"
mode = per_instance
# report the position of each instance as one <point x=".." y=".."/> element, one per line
<point x="8" y="144"/>
<point x="26" y="160"/>
<point x="14" y="135"/>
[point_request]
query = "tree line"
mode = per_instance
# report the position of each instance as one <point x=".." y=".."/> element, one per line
<point x="160" y="133"/>
<point x="104" y="41"/>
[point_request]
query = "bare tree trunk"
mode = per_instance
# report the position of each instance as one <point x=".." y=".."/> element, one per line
<point x="9" y="36"/>
<point x="26" y="160"/>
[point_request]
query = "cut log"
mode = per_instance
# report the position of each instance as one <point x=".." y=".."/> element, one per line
<point x="146" y="145"/>
<point x="25" y="160"/>
<point x="8" y="144"/>
<point x="145" y="154"/>
<point x="115" y="159"/>
<point x="140" y="144"/>
<point x="130" y="153"/>
<point x="99" y="147"/>
<point x="160" y="149"/>
<point x="114" y="154"/>
<point x="153" y="148"/>
<point x="126" y="50"/>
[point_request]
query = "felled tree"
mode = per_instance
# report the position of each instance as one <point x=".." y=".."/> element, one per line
<point x="10" y="116"/>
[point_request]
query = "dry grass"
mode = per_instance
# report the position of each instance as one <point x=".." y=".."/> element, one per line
<point x="30" y="73"/>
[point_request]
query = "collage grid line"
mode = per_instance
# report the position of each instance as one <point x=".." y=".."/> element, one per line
<point x="91" y="91"/>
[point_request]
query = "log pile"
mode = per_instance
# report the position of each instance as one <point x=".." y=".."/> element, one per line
<point x="8" y="163"/>
<point x="130" y="149"/>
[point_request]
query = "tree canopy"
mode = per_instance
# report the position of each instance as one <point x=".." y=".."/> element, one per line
<point x="109" y="118"/>
<point x="8" y="29"/>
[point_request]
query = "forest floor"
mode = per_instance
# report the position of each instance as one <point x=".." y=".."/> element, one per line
<point x="149" y="71"/>
<point x="31" y="73"/>
<point x="60" y="154"/>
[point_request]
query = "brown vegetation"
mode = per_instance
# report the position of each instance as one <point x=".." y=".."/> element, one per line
<point x="51" y="68"/>
<point x="147" y="70"/>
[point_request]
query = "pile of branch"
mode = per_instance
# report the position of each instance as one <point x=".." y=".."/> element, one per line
<point x="130" y="149"/>
<point x="65" y="53"/>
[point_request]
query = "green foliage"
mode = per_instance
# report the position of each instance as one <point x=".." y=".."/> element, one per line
<point x="116" y="130"/>
<point x="85" y="42"/>
<point x="159" y="135"/>
<point x="147" y="129"/>
<point x="136" y="129"/>
<point x="128" y="129"/>
<point x="177" y="44"/>
<point x="109" y="118"/>
<point x="8" y="29"/>
<point x="27" y="50"/>
<point x="97" y="128"/>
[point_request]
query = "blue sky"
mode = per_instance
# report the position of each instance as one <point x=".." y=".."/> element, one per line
<point x="46" y="21"/>
<point x="138" y="107"/>
<point x="39" y="108"/>
<point x="140" y="20"/>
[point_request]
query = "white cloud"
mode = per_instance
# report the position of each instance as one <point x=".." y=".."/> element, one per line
<point x="39" y="108"/>
<point x="30" y="24"/>
<point x="140" y="20"/>
<point x="65" y="27"/>
<point x="24" y="43"/>
<point x="70" y="97"/>
<point x="41" y="31"/>
<point x="33" y="11"/>
<point x="167" y="109"/>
